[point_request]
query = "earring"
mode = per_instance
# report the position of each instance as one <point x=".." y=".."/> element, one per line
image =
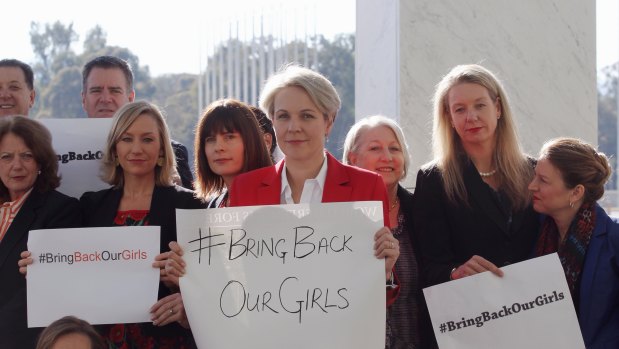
<point x="39" y="172"/>
<point x="571" y="204"/>
<point x="116" y="162"/>
<point x="160" y="161"/>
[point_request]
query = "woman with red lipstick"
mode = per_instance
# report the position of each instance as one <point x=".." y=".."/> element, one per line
<point x="139" y="163"/>
<point x="569" y="179"/>
<point x="377" y="144"/>
<point x="472" y="207"/>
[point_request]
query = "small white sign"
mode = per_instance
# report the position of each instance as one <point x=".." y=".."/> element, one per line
<point x="79" y="145"/>
<point x="102" y="275"/>
<point x="529" y="307"/>
<point x="286" y="276"/>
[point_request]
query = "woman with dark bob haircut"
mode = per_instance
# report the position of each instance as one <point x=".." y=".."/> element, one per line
<point x="70" y="332"/>
<point x="228" y="142"/>
<point x="28" y="178"/>
<point x="569" y="180"/>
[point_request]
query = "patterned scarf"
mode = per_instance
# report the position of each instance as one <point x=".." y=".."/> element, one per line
<point x="573" y="248"/>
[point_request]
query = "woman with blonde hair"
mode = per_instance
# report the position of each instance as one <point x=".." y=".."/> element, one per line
<point x="472" y="207"/>
<point x="376" y="143"/>
<point x="303" y="105"/>
<point x="139" y="164"/>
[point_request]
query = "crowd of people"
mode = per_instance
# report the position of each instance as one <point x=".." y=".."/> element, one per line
<point x="479" y="205"/>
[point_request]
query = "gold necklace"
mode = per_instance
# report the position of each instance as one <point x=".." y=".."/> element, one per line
<point x="395" y="203"/>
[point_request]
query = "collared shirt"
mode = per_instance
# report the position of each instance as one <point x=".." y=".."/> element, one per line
<point x="8" y="211"/>
<point x="312" y="188"/>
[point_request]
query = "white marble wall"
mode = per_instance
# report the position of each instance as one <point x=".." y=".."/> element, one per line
<point x="543" y="51"/>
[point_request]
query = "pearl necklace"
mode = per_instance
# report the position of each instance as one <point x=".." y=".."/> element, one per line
<point x="487" y="174"/>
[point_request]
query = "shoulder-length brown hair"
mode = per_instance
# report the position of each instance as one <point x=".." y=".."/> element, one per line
<point x="514" y="170"/>
<point x="39" y="140"/>
<point x="111" y="172"/>
<point x="227" y="115"/>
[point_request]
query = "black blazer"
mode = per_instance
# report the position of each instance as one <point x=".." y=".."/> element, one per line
<point x="40" y="211"/>
<point x="99" y="210"/>
<point x="450" y="234"/>
<point x="182" y="164"/>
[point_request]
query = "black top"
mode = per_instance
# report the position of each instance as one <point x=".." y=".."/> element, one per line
<point x="450" y="234"/>
<point x="182" y="164"/>
<point x="47" y="210"/>
<point x="99" y="210"/>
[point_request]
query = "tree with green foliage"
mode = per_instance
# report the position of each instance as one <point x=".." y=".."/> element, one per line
<point x="58" y="68"/>
<point x="59" y="83"/>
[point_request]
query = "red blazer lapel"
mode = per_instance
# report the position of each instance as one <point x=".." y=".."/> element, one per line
<point x="269" y="191"/>
<point x="336" y="184"/>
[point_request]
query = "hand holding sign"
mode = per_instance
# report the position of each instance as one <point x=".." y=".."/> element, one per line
<point x="169" y="309"/>
<point x="475" y="265"/>
<point x="175" y="265"/>
<point x="387" y="247"/>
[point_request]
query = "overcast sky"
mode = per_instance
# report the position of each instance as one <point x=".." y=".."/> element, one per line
<point x="166" y="35"/>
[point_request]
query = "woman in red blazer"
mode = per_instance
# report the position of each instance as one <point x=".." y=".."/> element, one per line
<point x="302" y="105"/>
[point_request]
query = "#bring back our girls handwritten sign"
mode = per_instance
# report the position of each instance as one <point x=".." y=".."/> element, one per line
<point x="287" y="276"/>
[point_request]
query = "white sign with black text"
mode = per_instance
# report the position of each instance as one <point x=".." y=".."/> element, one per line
<point x="285" y="276"/>
<point x="529" y="307"/>
<point x="79" y="145"/>
<point x="101" y="275"/>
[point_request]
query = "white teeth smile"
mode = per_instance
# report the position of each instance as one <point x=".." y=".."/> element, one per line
<point x="6" y="106"/>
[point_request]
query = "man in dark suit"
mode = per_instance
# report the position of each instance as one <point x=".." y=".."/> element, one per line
<point x="107" y="85"/>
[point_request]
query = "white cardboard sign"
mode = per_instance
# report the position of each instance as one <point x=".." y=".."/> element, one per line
<point x="529" y="307"/>
<point x="286" y="276"/>
<point x="79" y="144"/>
<point x="102" y="275"/>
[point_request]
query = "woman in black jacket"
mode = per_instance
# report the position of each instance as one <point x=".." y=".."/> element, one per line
<point x="139" y="164"/>
<point x="28" y="178"/>
<point x="472" y="207"/>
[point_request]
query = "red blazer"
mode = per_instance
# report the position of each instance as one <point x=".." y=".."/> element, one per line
<point x="342" y="184"/>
